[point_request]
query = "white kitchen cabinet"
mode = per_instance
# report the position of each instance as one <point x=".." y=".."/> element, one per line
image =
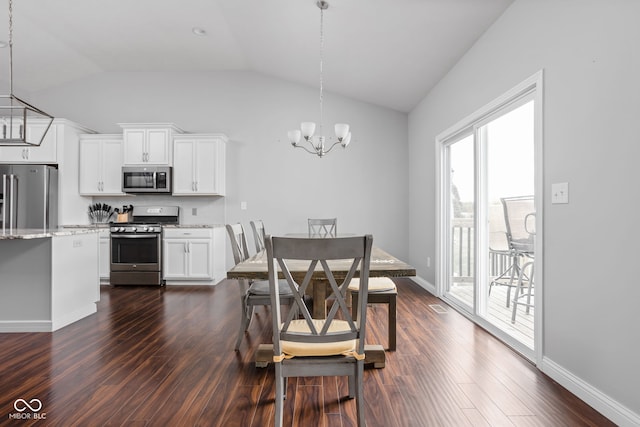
<point x="46" y="152"/>
<point x="100" y="165"/>
<point x="199" y="165"/>
<point x="104" y="255"/>
<point x="148" y="143"/>
<point x="188" y="254"/>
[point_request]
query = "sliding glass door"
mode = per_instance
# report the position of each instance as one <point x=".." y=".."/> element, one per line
<point x="488" y="218"/>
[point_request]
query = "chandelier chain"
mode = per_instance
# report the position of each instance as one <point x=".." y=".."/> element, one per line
<point x="321" y="62"/>
<point x="10" y="46"/>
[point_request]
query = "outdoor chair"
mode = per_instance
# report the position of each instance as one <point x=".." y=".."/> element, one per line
<point x="518" y="212"/>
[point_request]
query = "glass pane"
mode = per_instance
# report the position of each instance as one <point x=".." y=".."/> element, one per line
<point x="510" y="190"/>
<point x="462" y="257"/>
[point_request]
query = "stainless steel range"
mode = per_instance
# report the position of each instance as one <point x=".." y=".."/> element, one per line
<point x="136" y="246"/>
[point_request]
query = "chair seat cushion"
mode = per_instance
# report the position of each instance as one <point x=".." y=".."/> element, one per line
<point x="293" y="348"/>
<point x="376" y="284"/>
<point x="261" y="287"/>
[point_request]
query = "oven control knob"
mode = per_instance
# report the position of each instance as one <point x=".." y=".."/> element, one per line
<point x="133" y="228"/>
<point x="147" y="229"/>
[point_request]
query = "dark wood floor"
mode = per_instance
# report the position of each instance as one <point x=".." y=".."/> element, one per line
<point x="164" y="357"/>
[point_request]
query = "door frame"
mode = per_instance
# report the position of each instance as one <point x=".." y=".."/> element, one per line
<point x="533" y="84"/>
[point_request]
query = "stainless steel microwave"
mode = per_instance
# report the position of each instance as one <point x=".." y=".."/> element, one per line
<point x="146" y="179"/>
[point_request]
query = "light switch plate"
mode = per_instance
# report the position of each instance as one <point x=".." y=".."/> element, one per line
<point x="560" y="192"/>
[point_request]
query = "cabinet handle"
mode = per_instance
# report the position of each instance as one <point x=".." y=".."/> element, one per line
<point x="196" y="186"/>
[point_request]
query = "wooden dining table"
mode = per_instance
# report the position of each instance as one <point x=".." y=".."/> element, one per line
<point x="382" y="264"/>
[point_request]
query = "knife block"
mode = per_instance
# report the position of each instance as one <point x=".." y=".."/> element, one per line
<point x="123" y="217"/>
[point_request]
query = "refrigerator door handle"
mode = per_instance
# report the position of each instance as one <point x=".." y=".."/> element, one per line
<point x="5" y="204"/>
<point x="8" y="200"/>
<point x="12" y="200"/>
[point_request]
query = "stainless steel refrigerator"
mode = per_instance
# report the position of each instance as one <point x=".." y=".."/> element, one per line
<point x="28" y="196"/>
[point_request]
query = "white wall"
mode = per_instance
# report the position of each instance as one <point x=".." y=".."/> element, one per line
<point x="589" y="52"/>
<point x="365" y="186"/>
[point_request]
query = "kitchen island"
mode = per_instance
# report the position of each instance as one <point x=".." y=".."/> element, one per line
<point x="48" y="278"/>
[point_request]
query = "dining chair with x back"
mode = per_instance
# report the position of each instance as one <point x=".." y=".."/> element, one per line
<point x="255" y="292"/>
<point x="304" y="346"/>
<point x="323" y="227"/>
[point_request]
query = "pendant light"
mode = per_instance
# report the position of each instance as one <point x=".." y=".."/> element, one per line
<point x="16" y="114"/>
<point x="307" y="129"/>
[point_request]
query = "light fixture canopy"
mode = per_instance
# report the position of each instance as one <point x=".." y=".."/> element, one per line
<point x="16" y="114"/>
<point x="307" y="129"/>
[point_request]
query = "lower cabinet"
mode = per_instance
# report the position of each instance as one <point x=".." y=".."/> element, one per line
<point x="104" y="257"/>
<point x="188" y="254"/>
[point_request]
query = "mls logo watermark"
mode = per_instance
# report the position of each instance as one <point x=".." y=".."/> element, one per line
<point x="27" y="410"/>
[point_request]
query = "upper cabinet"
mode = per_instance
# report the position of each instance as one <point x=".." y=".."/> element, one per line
<point x="46" y="152"/>
<point x="100" y="165"/>
<point x="199" y="165"/>
<point x="148" y="143"/>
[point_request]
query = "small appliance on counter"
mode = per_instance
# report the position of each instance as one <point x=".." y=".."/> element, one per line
<point x="136" y="246"/>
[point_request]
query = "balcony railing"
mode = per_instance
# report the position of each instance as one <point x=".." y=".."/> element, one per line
<point x="462" y="248"/>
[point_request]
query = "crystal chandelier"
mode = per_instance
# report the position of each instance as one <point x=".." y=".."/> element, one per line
<point x="16" y="114"/>
<point x="307" y="129"/>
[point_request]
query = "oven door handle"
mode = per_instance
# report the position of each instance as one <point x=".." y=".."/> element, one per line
<point x="135" y="236"/>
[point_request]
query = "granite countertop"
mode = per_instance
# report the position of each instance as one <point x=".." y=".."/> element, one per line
<point x="105" y="225"/>
<point x="192" y="225"/>
<point x="40" y="233"/>
<point x="97" y="225"/>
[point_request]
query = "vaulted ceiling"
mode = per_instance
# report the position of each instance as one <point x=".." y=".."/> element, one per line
<point x="386" y="52"/>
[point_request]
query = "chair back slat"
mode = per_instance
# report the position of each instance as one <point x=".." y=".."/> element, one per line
<point x="342" y="289"/>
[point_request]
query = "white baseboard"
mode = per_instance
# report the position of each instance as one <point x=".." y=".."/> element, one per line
<point x="424" y="284"/>
<point x="616" y="412"/>
<point x="25" y="326"/>
<point x="189" y="282"/>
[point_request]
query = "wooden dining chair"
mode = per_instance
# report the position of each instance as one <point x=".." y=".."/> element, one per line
<point x="306" y="347"/>
<point x="382" y="290"/>
<point x="258" y="234"/>
<point x="254" y="292"/>
<point x="323" y="227"/>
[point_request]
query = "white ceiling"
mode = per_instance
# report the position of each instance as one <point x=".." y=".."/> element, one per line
<point x="386" y="52"/>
